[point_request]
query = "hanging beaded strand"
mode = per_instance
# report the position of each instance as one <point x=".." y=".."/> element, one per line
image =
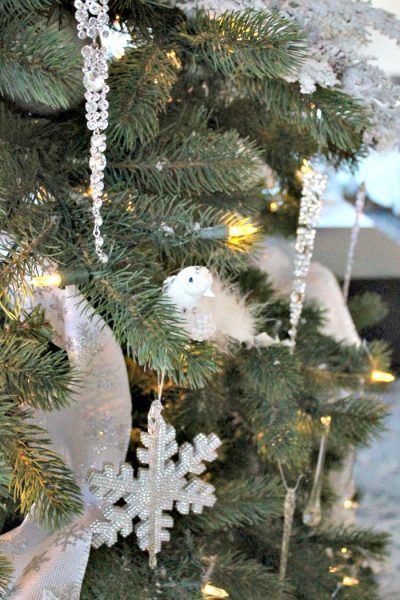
<point x="314" y="184"/>
<point x="92" y="22"/>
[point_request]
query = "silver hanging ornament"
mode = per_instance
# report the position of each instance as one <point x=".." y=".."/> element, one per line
<point x="288" y="514"/>
<point x="92" y="22"/>
<point x="312" y="513"/>
<point x="359" y="205"/>
<point x="314" y="184"/>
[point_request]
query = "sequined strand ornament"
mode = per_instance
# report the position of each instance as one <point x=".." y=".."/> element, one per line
<point x="92" y="22"/>
<point x="360" y="203"/>
<point x="314" y="184"/>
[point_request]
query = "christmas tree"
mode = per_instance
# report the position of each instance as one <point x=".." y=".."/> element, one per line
<point x="208" y="134"/>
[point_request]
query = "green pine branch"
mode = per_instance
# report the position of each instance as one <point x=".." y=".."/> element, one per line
<point x="273" y="372"/>
<point x="356" y="419"/>
<point x="5" y="573"/>
<point x="32" y="375"/>
<point x="12" y="7"/>
<point x="40" y="477"/>
<point x="331" y="117"/>
<point x="248" y="43"/>
<point x="197" y="164"/>
<point x="140" y="88"/>
<point x="362" y="543"/>
<point x="131" y="300"/>
<point x="242" y="503"/>
<point x="40" y="63"/>
<point x="245" y="578"/>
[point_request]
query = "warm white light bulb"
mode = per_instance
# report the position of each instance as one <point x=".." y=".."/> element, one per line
<point x="382" y="376"/>
<point x="214" y="592"/>
<point x="51" y="280"/>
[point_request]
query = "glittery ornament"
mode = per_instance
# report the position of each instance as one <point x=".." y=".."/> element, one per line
<point x="164" y="482"/>
<point x="156" y="489"/>
<point x="314" y="184"/>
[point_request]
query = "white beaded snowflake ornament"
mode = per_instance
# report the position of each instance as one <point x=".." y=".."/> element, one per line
<point x="92" y="19"/>
<point x="165" y="483"/>
<point x="159" y="486"/>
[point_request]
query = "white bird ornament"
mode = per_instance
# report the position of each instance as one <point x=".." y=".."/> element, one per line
<point x="188" y="287"/>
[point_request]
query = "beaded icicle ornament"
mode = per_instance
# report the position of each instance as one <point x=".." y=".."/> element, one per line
<point x="92" y="22"/>
<point x="314" y="184"/>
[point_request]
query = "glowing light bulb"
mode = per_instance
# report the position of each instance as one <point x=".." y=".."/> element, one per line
<point x="350" y="581"/>
<point x="344" y="550"/>
<point x="241" y="229"/>
<point x="273" y="207"/>
<point x="306" y="167"/>
<point x="382" y="377"/>
<point x="173" y="58"/>
<point x="333" y="569"/>
<point x="210" y="590"/>
<point x="350" y="504"/>
<point x="326" y="421"/>
<point x="51" y="280"/>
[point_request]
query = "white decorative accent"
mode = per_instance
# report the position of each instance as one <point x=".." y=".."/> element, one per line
<point x="209" y="308"/>
<point x="188" y="287"/>
<point x="92" y="19"/>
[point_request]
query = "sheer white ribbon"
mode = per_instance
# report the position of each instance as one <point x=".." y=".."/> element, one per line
<point x="93" y="429"/>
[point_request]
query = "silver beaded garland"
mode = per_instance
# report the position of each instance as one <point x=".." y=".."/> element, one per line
<point x="92" y="22"/>
<point x="314" y="184"/>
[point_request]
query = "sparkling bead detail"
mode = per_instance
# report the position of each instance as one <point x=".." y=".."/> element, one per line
<point x="314" y="184"/>
<point x="92" y="21"/>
